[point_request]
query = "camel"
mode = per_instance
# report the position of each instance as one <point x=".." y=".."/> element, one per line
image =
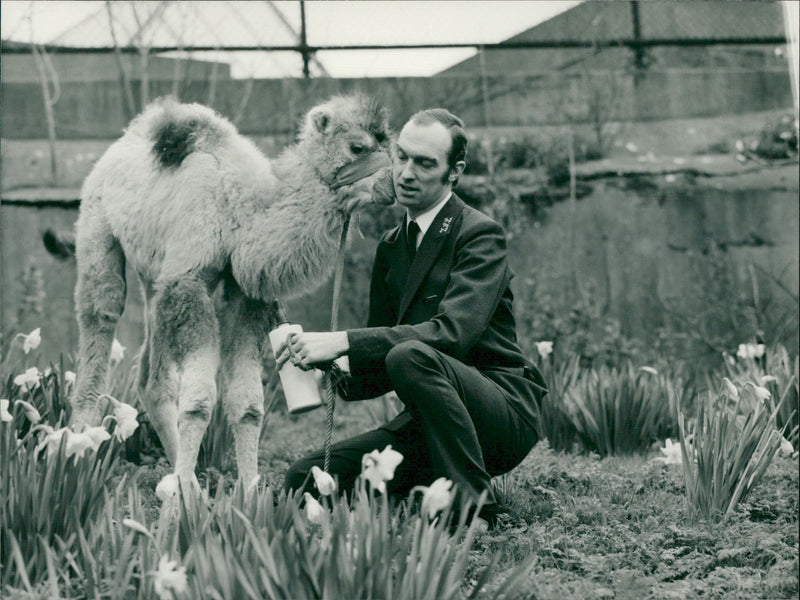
<point x="192" y="205"/>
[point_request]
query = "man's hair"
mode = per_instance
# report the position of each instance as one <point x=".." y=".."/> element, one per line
<point x="458" y="137"/>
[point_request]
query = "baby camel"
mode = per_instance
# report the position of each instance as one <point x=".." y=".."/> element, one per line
<point x="190" y="204"/>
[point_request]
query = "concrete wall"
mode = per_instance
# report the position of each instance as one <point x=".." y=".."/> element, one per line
<point x="640" y="248"/>
<point x="94" y="110"/>
<point x="649" y="248"/>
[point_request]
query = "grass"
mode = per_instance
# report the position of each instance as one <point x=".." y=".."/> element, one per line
<point x="575" y="526"/>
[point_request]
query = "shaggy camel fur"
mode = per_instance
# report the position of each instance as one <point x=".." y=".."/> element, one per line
<point x="190" y="204"/>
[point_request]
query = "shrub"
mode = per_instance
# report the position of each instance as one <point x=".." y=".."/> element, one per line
<point x="621" y="411"/>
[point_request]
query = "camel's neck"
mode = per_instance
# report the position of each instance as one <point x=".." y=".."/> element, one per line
<point x="289" y="249"/>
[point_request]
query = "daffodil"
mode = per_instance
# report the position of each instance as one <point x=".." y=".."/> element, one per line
<point x="762" y="394"/>
<point x="672" y="453"/>
<point x="79" y="443"/>
<point x="117" y="352"/>
<point x="69" y="377"/>
<point x="786" y="447"/>
<point x="169" y="579"/>
<point x="378" y="467"/>
<point x="32" y="340"/>
<point x="168" y="487"/>
<point x="29" y="379"/>
<point x="768" y="379"/>
<point x="324" y="482"/>
<point x="650" y="370"/>
<point x="30" y="411"/>
<point x="125" y="416"/>
<point x="730" y="389"/>
<point x="437" y="497"/>
<point x="750" y="351"/>
<point x="98" y="435"/>
<point x="314" y="510"/>
<point x="52" y="439"/>
<point x="5" y="416"/>
<point x="544" y="349"/>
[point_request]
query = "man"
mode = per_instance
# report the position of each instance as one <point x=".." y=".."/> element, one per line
<point x="440" y="333"/>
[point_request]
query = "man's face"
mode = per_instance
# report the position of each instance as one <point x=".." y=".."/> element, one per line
<point x="420" y="168"/>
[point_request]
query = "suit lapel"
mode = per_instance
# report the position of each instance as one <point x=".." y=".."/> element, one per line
<point x="433" y="242"/>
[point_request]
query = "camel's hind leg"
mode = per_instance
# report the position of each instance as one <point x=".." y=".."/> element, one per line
<point x="158" y="381"/>
<point x="99" y="302"/>
<point x="184" y="350"/>
<point x="244" y="324"/>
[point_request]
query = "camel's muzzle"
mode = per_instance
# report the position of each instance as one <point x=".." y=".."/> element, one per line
<point x="360" y="169"/>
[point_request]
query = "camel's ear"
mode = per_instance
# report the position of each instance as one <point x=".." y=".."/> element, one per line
<point x="320" y="117"/>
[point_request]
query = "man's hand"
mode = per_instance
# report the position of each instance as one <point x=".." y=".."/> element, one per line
<point x="309" y="349"/>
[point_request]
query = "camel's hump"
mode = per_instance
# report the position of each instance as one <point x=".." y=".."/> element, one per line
<point x="176" y="130"/>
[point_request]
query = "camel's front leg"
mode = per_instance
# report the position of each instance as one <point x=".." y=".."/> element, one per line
<point x="186" y="343"/>
<point x="244" y="329"/>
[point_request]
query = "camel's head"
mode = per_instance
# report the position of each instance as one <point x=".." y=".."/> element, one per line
<point x="347" y="141"/>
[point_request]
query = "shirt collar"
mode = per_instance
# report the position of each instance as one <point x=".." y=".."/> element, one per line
<point x="425" y="220"/>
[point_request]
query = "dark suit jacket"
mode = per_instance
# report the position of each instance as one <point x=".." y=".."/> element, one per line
<point x="454" y="296"/>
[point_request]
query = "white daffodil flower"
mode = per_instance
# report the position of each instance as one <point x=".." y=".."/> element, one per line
<point x="117" y="352"/>
<point x="544" y="349"/>
<point x="125" y="416"/>
<point x="314" y="510"/>
<point x="761" y="394"/>
<point x="786" y="447"/>
<point x="52" y="439"/>
<point x="324" y="482"/>
<point x="378" y="467"/>
<point x="78" y="444"/>
<point x="731" y="389"/>
<point x="768" y="379"/>
<point x="650" y="370"/>
<point x="5" y="416"/>
<point x="750" y="351"/>
<point x="672" y="453"/>
<point x="169" y="579"/>
<point x="98" y="435"/>
<point x="30" y="411"/>
<point x="29" y="379"/>
<point x="32" y="340"/>
<point x="168" y="487"/>
<point x="437" y="497"/>
<point x="69" y="377"/>
<point x="89" y="439"/>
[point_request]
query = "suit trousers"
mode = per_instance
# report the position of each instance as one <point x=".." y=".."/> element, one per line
<point x="457" y="424"/>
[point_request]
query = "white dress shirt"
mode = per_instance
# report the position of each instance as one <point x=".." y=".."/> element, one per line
<point x="425" y="220"/>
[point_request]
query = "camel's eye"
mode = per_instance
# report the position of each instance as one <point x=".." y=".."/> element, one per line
<point x="358" y="149"/>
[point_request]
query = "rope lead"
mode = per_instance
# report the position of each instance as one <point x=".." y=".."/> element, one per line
<point x="333" y="374"/>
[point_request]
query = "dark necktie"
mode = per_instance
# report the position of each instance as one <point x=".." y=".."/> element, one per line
<point x="413" y="231"/>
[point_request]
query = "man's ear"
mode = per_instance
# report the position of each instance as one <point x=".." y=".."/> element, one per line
<point x="320" y="117"/>
<point x="457" y="170"/>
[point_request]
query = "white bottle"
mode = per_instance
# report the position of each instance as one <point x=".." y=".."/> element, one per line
<point x="299" y="387"/>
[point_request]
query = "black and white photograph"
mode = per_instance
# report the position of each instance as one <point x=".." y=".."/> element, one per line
<point x="399" y="299"/>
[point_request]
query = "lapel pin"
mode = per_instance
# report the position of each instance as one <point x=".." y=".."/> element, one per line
<point x="445" y="225"/>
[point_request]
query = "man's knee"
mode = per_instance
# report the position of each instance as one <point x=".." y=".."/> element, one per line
<point x="406" y="358"/>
